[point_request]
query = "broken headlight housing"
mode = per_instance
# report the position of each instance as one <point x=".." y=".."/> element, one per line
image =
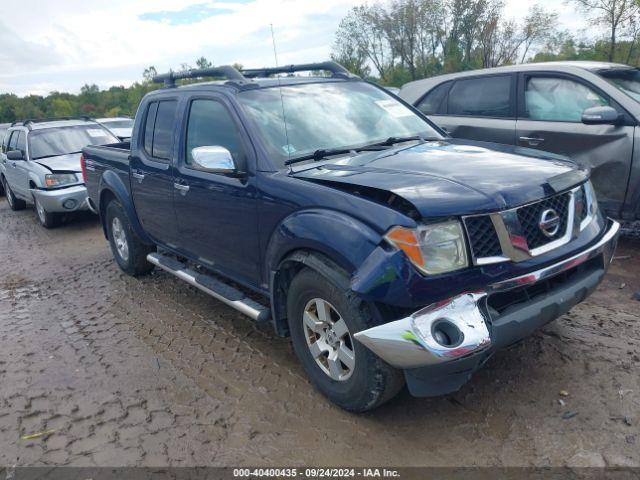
<point x="433" y="248"/>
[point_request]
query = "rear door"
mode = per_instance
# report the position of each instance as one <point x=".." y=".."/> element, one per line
<point x="479" y="108"/>
<point x="549" y="118"/>
<point x="152" y="171"/>
<point x="217" y="213"/>
<point x="11" y="166"/>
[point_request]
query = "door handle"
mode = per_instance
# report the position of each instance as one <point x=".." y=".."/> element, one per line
<point x="181" y="187"/>
<point x="533" y="141"/>
<point x="137" y="176"/>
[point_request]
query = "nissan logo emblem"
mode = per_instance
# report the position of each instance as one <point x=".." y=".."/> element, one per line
<point x="549" y="222"/>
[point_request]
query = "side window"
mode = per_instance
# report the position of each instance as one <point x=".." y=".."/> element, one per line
<point x="434" y="102"/>
<point x="481" y="97"/>
<point x="158" y="129"/>
<point x="13" y="140"/>
<point x="163" y="130"/>
<point x="21" y="143"/>
<point x="149" y="123"/>
<point x="211" y="124"/>
<point x="559" y="99"/>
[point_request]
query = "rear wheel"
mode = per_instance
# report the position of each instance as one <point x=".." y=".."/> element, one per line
<point x="322" y="321"/>
<point x="46" y="219"/>
<point x="129" y="251"/>
<point x="14" y="203"/>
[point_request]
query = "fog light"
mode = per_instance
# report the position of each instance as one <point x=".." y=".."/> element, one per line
<point x="446" y="333"/>
<point x="70" y="204"/>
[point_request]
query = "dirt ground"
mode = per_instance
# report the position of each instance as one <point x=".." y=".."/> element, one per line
<point x="120" y="371"/>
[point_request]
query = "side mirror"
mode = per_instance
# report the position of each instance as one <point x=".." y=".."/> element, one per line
<point x="601" y="116"/>
<point x="213" y="159"/>
<point x="15" y="155"/>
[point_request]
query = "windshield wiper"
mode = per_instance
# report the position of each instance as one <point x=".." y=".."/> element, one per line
<point x="55" y="155"/>
<point x="391" y="141"/>
<point x="321" y="154"/>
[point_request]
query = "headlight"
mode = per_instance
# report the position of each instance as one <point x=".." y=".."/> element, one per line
<point x="433" y="249"/>
<point x="60" y="179"/>
<point x="592" y="201"/>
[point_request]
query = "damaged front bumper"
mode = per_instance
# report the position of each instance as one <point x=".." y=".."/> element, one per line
<point x="440" y="345"/>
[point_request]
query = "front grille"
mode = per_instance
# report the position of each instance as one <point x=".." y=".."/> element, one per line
<point x="529" y="217"/>
<point x="483" y="237"/>
<point x="581" y="207"/>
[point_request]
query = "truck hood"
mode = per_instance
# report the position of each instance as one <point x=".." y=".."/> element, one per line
<point x="62" y="163"/>
<point x="453" y="177"/>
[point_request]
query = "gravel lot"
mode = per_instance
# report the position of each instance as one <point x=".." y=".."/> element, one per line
<point x="119" y="371"/>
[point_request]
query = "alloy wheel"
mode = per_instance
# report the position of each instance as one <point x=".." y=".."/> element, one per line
<point x="329" y="339"/>
<point x="120" y="239"/>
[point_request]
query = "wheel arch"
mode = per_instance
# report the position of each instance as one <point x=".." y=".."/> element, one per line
<point x="113" y="188"/>
<point x="329" y="242"/>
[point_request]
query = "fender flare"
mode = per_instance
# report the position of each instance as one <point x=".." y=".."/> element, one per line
<point x="328" y="241"/>
<point x="112" y="184"/>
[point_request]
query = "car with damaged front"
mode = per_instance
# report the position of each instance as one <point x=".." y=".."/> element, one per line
<point x="40" y="164"/>
<point x="390" y="253"/>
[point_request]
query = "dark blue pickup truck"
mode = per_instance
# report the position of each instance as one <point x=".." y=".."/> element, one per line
<point x="390" y="253"/>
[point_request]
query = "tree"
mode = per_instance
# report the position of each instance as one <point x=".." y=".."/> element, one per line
<point x="202" y="62"/>
<point x="614" y="15"/>
<point x="149" y="73"/>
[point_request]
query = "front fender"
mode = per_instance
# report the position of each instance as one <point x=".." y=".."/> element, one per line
<point x="342" y="238"/>
<point x="111" y="183"/>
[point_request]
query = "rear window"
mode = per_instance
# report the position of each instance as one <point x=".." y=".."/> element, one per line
<point x="481" y="97"/>
<point x="159" y="128"/>
<point x="51" y="142"/>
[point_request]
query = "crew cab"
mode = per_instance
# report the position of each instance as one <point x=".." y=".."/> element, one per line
<point x="388" y="252"/>
<point x="40" y="164"/>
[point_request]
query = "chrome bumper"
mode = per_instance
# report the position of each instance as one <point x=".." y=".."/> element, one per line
<point x="70" y="199"/>
<point x="411" y="342"/>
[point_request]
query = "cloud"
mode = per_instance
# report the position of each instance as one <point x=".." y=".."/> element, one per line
<point x="75" y="42"/>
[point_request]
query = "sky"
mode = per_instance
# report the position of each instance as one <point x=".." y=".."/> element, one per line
<point x="60" y="46"/>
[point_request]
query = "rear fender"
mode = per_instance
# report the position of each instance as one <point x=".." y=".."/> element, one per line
<point x="111" y="185"/>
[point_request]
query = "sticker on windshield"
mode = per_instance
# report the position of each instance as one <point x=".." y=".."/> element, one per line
<point x="96" y="132"/>
<point x="289" y="149"/>
<point x="394" y="108"/>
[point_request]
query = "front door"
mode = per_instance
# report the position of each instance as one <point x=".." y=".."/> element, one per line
<point x="216" y="212"/>
<point x="479" y="108"/>
<point x="152" y="172"/>
<point x="550" y="113"/>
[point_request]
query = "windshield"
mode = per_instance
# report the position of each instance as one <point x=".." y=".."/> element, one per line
<point x="61" y="140"/>
<point x="627" y="80"/>
<point x="328" y="115"/>
<point x="118" y="123"/>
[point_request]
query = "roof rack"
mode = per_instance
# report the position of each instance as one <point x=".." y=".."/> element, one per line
<point x="29" y="121"/>
<point x="229" y="72"/>
<point x="336" y="70"/>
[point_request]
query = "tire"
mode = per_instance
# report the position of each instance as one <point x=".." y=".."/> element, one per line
<point x="371" y="381"/>
<point x="129" y="251"/>
<point x="46" y="219"/>
<point x="14" y="203"/>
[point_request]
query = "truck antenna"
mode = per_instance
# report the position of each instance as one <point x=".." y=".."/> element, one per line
<point x="284" y="116"/>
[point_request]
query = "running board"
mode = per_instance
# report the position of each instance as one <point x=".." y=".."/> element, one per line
<point x="210" y="285"/>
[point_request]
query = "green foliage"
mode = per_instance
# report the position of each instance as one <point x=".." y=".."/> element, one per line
<point x="112" y="102"/>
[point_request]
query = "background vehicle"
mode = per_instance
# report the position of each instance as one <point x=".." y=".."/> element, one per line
<point x="121" y="127"/>
<point x="588" y="111"/>
<point x="3" y="131"/>
<point x="362" y="226"/>
<point x="40" y="164"/>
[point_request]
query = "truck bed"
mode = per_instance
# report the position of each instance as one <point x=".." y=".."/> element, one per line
<point x="100" y="158"/>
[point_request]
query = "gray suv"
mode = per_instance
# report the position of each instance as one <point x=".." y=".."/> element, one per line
<point x="588" y="111"/>
<point x="40" y="164"/>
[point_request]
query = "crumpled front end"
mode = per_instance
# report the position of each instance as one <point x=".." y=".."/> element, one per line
<point x="441" y="345"/>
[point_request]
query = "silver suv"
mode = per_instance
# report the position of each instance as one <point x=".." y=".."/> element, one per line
<point x="40" y="164"/>
<point x="588" y="111"/>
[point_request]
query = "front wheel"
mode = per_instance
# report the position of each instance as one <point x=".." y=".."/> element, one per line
<point x="46" y="219"/>
<point x="14" y="202"/>
<point x="129" y="251"/>
<point x="322" y="320"/>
